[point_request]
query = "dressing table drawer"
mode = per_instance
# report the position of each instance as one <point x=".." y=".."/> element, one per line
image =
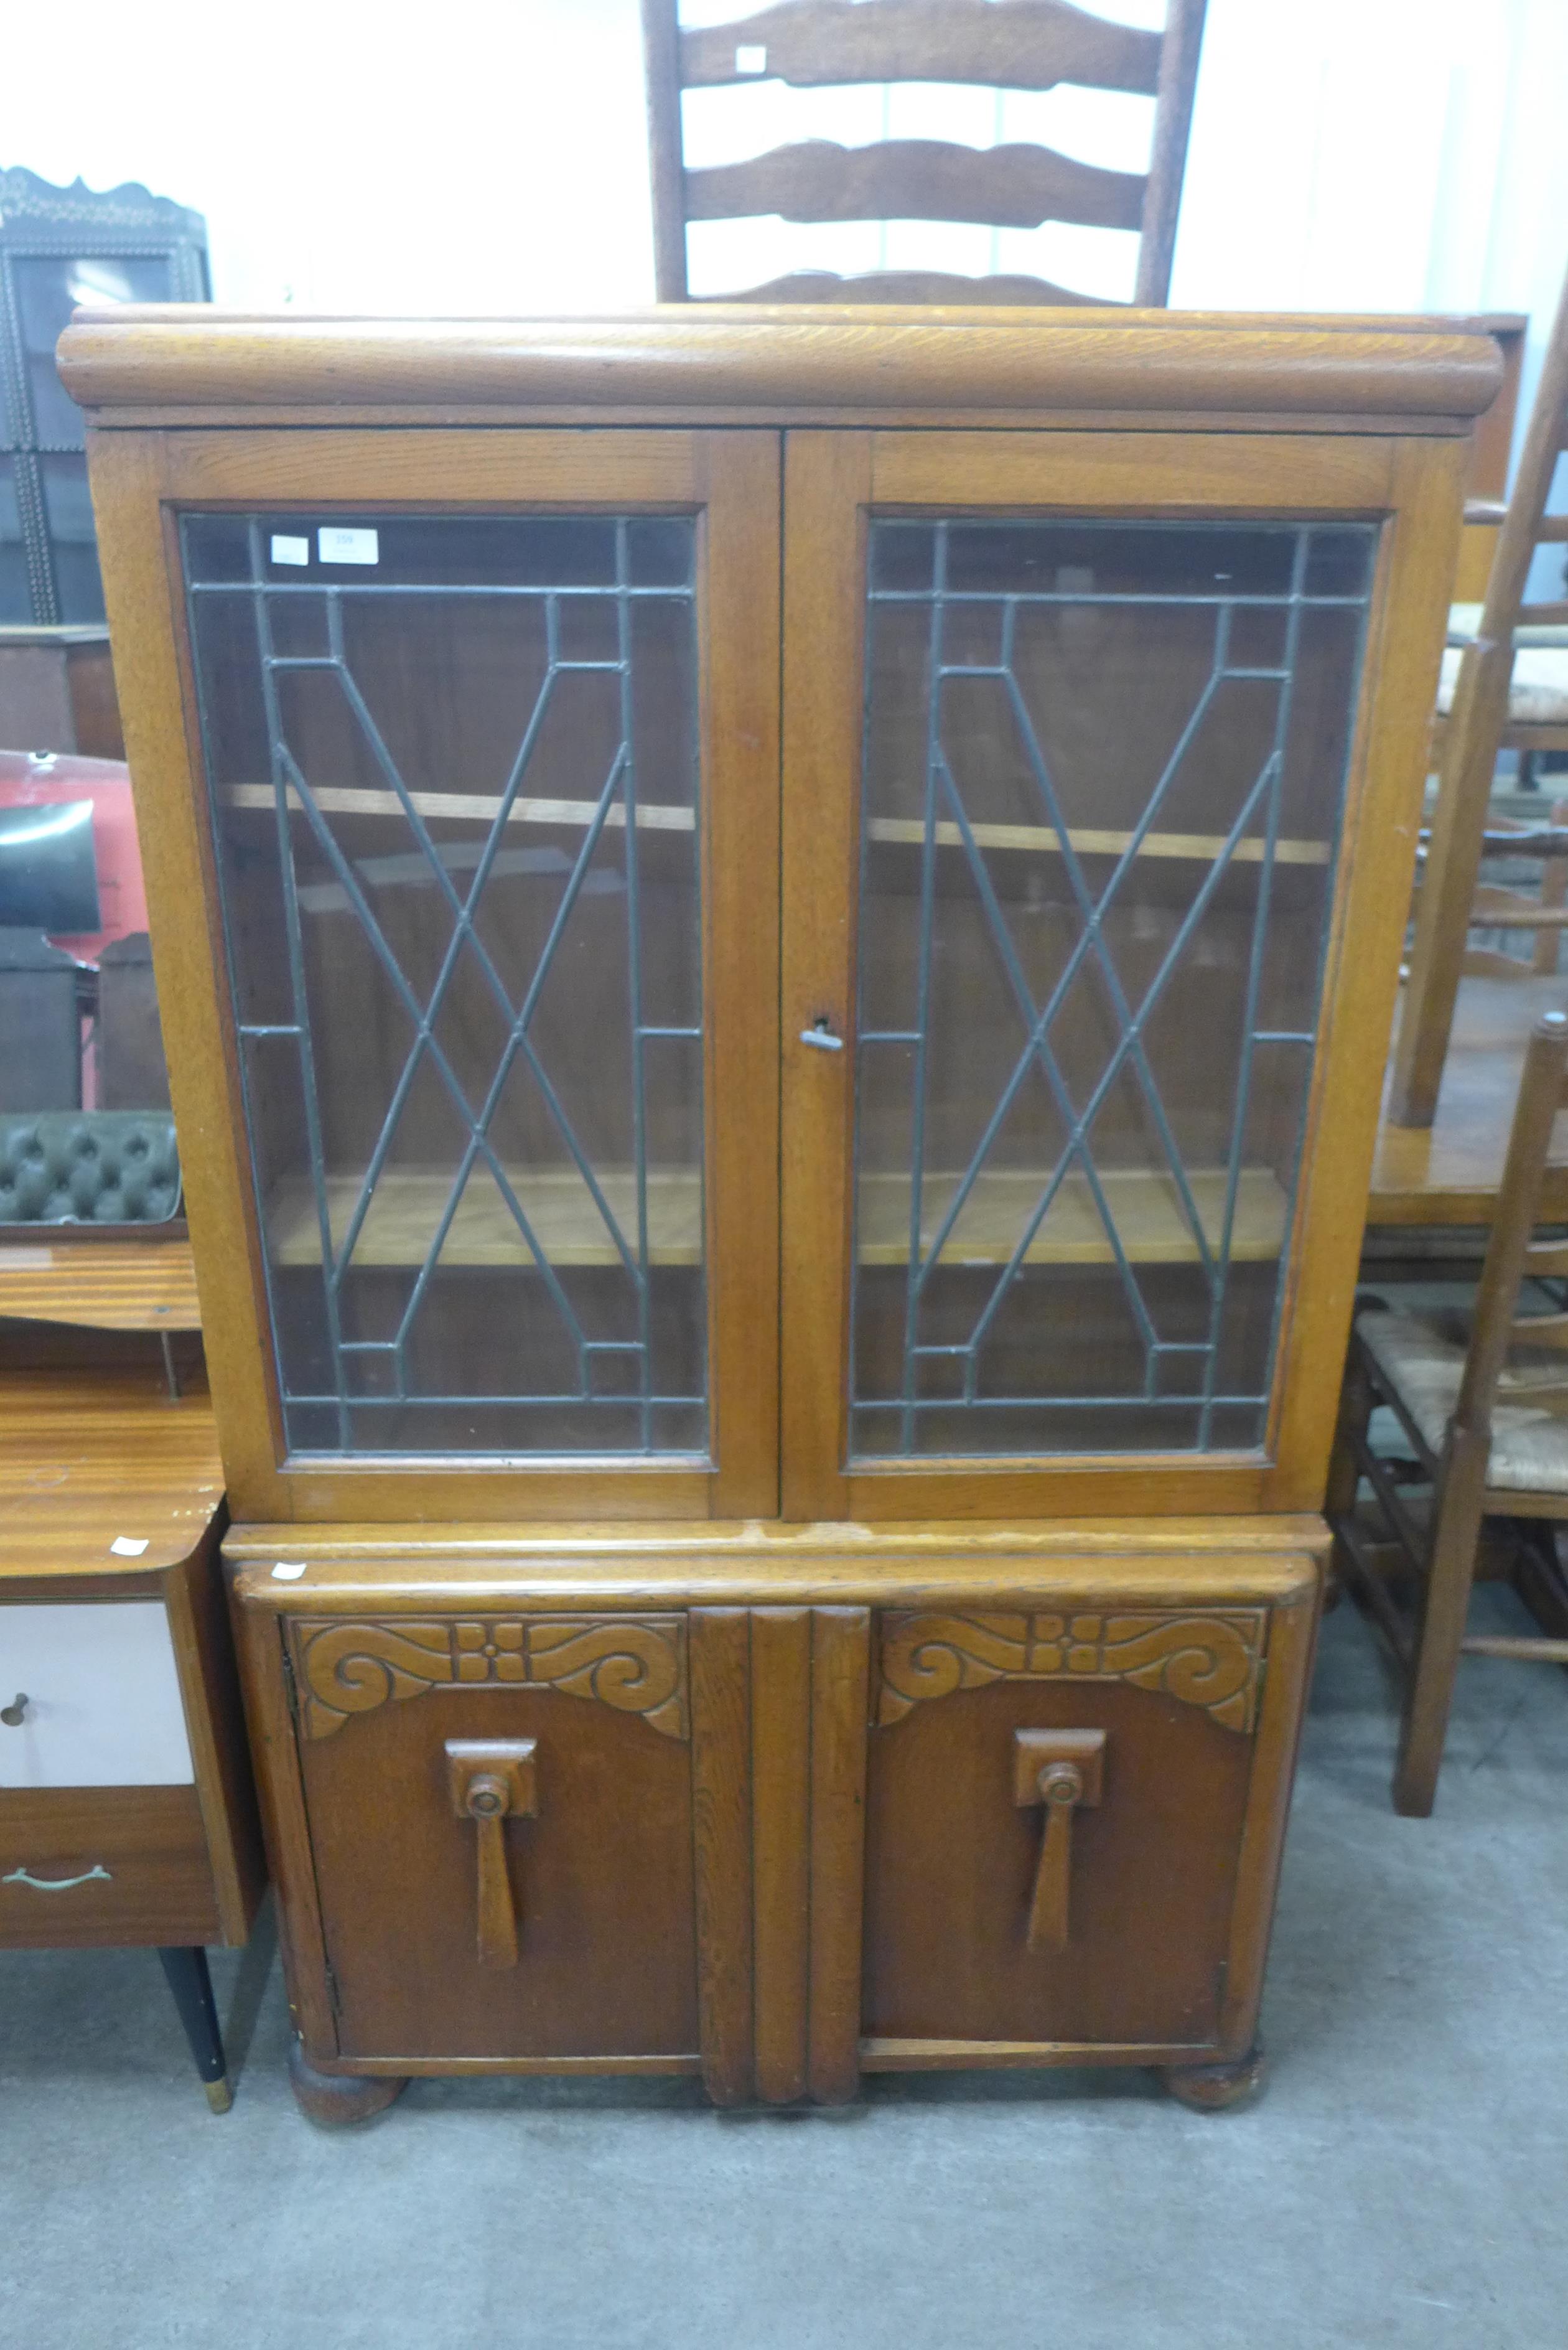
<point x="96" y="1865"/>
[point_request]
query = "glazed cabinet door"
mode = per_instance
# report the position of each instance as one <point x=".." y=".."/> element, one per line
<point x="1098" y="753"/>
<point x="465" y="748"/>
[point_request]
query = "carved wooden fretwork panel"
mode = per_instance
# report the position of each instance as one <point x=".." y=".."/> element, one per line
<point x="1212" y="1660"/>
<point x="635" y="1663"/>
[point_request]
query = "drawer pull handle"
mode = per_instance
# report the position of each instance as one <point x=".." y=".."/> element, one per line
<point x="58" y="1883"/>
<point x="492" y="1780"/>
<point x="16" y="1713"/>
<point x="822" y="1036"/>
<point x="1060" y="1769"/>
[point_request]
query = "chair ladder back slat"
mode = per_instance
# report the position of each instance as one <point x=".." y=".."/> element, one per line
<point x="916" y="179"/>
<point x="998" y="44"/>
<point x="1549" y="1330"/>
<point x="936" y="286"/>
<point x="1512" y="911"/>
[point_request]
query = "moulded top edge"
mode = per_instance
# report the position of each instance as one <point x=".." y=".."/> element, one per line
<point x="684" y="360"/>
<point x="404" y="1582"/>
<point x="771" y="1538"/>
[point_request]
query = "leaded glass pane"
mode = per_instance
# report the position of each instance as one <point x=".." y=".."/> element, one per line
<point x="454" y="773"/>
<point x="1104" y="766"/>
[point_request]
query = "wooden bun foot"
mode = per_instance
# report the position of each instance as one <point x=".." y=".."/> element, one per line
<point x="1215" y="2088"/>
<point x="338" y="2100"/>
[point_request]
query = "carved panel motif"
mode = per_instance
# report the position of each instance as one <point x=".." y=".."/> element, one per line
<point x="1212" y="1660"/>
<point x="636" y="1663"/>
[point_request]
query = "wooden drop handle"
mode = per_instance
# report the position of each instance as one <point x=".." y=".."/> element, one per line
<point x="492" y="1780"/>
<point x="1061" y="1769"/>
<point x="1061" y="1788"/>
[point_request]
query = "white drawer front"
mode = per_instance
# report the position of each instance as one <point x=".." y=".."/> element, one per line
<point x="103" y="1696"/>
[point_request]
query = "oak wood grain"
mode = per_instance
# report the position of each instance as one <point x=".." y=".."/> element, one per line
<point x="840" y="1668"/>
<point x="781" y="1870"/>
<point x="705" y="360"/>
<point x="719" y="1648"/>
<point x="827" y="490"/>
<point x="270" y="1721"/>
<point x="740" y="688"/>
<point x="215" y="1719"/>
<point x="1158" y="1564"/>
<point x="1382" y="817"/>
<point x="1292" y="1637"/>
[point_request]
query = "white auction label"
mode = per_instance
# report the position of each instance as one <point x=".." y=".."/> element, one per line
<point x="290" y="550"/>
<point x="288" y="1570"/>
<point x="127" y="1546"/>
<point x="751" y="59"/>
<point x="334" y="544"/>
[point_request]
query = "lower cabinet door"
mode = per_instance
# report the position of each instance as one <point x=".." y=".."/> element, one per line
<point x="503" y="1872"/>
<point x="1070" y="1836"/>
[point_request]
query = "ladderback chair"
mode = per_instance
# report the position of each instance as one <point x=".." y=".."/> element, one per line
<point x="1508" y="688"/>
<point x="1504" y="905"/>
<point x="1004" y="45"/>
<point x="1483" y="1401"/>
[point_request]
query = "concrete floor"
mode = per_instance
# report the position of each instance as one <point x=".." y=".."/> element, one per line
<point x="1401" y="2183"/>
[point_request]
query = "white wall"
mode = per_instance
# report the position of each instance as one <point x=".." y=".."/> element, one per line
<point x="490" y="156"/>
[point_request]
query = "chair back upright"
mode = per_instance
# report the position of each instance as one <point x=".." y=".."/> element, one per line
<point x="1514" y="1254"/>
<point x="1027" y="45"/>
<point x="1445" y="906"/>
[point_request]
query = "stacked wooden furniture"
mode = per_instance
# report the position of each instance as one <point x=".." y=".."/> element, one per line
<point x="995" y="44"/>
<point x="776" y="934"/>
<point x="1492" y="705"/>
<point x="1482" y="1397"/>
<point x="127" y="1813"/>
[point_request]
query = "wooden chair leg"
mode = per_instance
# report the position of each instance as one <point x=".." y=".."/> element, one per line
<point x="1445" y="1605"/>
<point x="1344" y="1471"/>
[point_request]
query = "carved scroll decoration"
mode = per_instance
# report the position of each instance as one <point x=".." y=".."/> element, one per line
<point x="1212" y="1660"/>
<point x="635" y="1663"/>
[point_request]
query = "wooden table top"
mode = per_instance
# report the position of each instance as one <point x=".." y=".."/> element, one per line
<point x="87" y="1457"/>
<point x="1449" y="1174"/>
<point x="137" y="1284"/>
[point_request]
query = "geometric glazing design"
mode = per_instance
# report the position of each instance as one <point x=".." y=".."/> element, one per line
<point x="1102" y="771"/>
<point x="453" y="765"/>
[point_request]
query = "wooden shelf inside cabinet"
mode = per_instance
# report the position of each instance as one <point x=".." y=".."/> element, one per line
<point x="478" y="807"/>
<point x="100" y="1284"/>
<point x="1150" y="1216"/>
<point x="408" y="1202"/>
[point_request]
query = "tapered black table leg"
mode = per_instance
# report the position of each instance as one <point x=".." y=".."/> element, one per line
<point x="192" y="1985"/>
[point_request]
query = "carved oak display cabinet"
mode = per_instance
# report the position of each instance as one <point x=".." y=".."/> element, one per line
<point x="777" y="931"/>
